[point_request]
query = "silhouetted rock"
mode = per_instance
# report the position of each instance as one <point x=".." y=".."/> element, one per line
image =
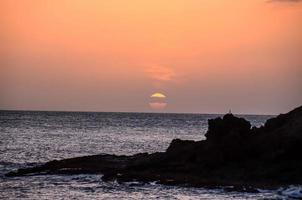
<point x="233" y="154"/>
<point x="228" y="128"/>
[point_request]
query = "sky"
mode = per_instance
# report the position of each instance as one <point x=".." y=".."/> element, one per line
<point x="203" y="56"/>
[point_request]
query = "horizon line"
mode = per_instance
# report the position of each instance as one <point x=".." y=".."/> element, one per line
<point x="139" y="112"/>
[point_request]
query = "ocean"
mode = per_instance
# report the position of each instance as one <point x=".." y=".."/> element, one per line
<point x="30" y="138"/>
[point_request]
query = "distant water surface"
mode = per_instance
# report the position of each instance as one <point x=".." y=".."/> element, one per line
<point x="30" y="138"/>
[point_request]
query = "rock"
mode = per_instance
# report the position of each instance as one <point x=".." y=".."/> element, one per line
<point x="232" y="154"/>
<point x="228" y="128"/>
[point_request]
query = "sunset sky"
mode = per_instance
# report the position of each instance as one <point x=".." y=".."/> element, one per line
<point x="204" y="56"/>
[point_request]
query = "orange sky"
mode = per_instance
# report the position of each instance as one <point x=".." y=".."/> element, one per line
<point x="206" y="56"/>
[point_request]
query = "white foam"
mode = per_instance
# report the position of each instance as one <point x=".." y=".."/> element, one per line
<point x="293" y="192"/>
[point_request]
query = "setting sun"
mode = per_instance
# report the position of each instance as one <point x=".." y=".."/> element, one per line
<point x="158" y="101"/>
<point x="158" y="95"/>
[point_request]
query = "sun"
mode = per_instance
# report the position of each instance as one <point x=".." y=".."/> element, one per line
<point x="158" y="106"/>
<point x="158" y="101"/>
<point x="158" y="95"/>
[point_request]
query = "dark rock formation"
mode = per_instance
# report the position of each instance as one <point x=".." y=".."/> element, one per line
<point x="233" y="154"/>
<point x="228" y="128"/>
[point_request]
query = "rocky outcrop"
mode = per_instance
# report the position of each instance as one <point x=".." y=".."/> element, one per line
<point x="232" y="154"/>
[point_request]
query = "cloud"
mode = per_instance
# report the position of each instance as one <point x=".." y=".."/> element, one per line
<point x="161" y="73"/>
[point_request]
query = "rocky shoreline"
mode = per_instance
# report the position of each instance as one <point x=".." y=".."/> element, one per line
<point x="233" y="154"/>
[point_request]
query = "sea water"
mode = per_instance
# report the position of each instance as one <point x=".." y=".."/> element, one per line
<point x="32" y="138"/>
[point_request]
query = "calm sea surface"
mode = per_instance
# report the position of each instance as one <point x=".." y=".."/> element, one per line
<point x="30" y="138"/>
